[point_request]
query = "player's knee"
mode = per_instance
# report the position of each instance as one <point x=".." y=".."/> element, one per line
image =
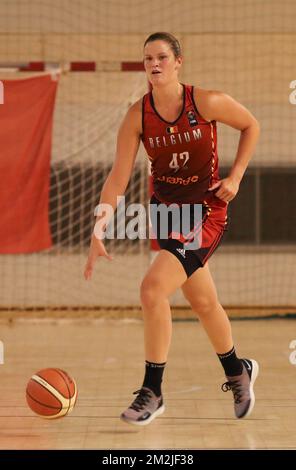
<point x="151" y="292"/>
<point x="204" y="305"/>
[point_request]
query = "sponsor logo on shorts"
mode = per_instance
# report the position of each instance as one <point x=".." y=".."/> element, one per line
<point x="182" y="252"/>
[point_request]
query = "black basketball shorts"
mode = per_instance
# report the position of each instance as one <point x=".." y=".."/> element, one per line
<point x="207" y="230"/>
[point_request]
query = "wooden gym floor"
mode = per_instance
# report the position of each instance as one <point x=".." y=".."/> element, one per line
<point x="106" y="359"/>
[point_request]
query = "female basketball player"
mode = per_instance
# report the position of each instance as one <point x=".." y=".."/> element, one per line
<point x="177" y="125"/>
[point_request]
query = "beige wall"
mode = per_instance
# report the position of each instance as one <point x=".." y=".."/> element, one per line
<point x="134" y="16"/>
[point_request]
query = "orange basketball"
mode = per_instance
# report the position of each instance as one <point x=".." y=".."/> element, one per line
<point x="51" y="393"/>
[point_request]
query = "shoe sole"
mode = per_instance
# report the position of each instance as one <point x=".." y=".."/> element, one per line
<point x="254" y="375"/>
<point x="158" y="412"/>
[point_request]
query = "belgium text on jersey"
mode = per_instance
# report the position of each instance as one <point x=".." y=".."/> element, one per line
<point x="174" y="139"/>
<point x="179" y="222"/>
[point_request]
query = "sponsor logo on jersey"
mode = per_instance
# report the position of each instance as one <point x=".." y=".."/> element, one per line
<point x="191" y="116"/>
<point x="178" y="180"/>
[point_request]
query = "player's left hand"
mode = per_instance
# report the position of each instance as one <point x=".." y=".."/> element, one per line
<point x="228" y="188"/>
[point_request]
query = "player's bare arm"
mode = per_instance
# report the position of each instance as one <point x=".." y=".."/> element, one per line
<point x="128" y="141"/>
<point x="220" y="107"/>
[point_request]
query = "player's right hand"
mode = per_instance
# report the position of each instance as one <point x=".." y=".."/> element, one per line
<point x="96" y="249"/>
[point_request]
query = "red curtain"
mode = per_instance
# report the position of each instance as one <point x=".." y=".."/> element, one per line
<point x="25" y="149"/>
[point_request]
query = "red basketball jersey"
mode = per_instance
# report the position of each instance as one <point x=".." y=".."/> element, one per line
<point x="183" y="153"/>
